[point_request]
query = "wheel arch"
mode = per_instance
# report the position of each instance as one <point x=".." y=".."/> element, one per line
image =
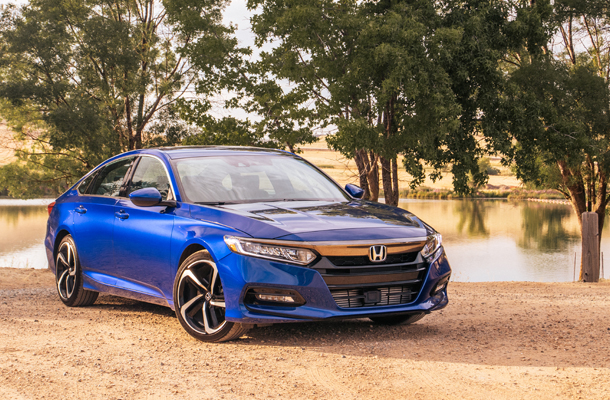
<point x="61" y="234"/>
<point x="189" y="251"/>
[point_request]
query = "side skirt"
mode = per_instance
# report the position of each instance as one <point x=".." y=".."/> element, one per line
<point x="92" y="284"/>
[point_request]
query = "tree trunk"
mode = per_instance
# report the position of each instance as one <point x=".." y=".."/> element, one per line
<point x="574" y="182"/>
<point x="395" y="181"/>
<point x="140" y="123"/>
<point x="373" y="177"/>
<point x="361" y="163"/>
<point x="601" y="203"/>
<point x="386" y="177"/>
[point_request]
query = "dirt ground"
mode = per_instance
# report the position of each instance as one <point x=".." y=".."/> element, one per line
<point x="493" y="341"/>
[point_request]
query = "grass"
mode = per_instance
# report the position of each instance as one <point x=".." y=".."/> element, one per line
<point x="514" y="194"/>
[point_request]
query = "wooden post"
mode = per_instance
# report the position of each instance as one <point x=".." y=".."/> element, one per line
<point x="590" y="247"/>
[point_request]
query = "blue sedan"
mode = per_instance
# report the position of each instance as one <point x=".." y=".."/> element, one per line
<point x="234" y="237"/>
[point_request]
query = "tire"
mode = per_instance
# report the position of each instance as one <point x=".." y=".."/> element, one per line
<point x="69" y="277"/>
<point x="404" y="319"/>
<point x="199" y="301"/>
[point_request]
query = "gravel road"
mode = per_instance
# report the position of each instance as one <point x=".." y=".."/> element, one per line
<point x="493" y="341"/>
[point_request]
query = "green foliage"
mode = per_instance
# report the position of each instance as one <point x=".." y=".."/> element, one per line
<point x="96" y="74"/>
<point x="400" y="77"/>
<point x="486" y="168"/>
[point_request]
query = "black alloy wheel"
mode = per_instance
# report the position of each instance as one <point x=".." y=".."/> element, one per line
<point x="68" y="276"/>
<point x="199" y="301"/>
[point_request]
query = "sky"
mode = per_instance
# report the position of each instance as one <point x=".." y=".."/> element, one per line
<point x="236" y="12"/>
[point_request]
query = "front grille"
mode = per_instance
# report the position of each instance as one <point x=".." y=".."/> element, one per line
<point x="355" y="281"/>
<point x="389" y="296"/>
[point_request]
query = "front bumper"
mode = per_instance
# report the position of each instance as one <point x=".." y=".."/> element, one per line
<point x="240" y="273"/>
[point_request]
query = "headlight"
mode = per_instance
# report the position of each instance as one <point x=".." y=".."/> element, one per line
<point x="433" y="243"/>
<point x="293" y="255"/>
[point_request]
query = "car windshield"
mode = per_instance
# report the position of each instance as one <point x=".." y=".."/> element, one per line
<point x="253" y="178"/>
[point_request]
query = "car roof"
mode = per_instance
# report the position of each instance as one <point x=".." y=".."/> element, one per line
<point x="178" y="152"/>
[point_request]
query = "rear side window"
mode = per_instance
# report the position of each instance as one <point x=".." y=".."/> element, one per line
<point x="150" y="172"/>
<point x="110" y="179"/>
<point x="84" y="185"/>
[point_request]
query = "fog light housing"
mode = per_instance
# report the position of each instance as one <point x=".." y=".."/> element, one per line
<point x="440" y="286"/>
<point x="274" y="297"/>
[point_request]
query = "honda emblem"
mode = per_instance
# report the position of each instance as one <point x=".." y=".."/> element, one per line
<point x="378" y="253"/>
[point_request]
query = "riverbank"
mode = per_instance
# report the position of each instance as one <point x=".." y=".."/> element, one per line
<point x="494" y="340"/>
<point x="489" y="193"/>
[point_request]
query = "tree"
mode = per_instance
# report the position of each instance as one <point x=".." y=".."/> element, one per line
<point x="388" y="76"/>
<point x="553" y="121"/>
<point x="95" y="74"/>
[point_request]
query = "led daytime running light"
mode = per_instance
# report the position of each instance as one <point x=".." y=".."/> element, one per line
<point x="270" y="251"/>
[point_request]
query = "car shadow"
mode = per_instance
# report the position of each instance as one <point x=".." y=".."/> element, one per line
<point x="446" y="336"/>
<point x="110" y="303"/>
<point x="432" y="340"/>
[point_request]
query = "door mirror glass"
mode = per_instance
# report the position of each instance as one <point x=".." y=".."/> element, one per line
<point x="354" y="191"/>
<point x="147" y="197"/>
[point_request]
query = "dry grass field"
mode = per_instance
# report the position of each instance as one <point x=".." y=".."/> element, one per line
<point x="345" y="171"/>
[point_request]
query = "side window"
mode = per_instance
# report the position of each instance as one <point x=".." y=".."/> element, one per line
<point x="82" y="188"/>
<point x="150" y="172"/>
<point x="110" y="179"/>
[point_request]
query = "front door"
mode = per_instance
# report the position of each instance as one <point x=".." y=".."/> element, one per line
<point x="142" y="235"/>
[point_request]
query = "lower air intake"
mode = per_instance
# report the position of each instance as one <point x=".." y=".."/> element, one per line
<point x="375" y="296"/>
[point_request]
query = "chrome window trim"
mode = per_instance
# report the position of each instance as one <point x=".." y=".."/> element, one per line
<point x="166" y="172"/>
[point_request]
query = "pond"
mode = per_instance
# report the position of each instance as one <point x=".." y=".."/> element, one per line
<point x="486" y="240"/>
<point x="500" y="240"/>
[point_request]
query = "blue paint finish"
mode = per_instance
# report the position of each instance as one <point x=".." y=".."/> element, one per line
<point x="104" y="283"/>
<point x="135" y="252"/>
<point x="93" y="231"/>
<point x="61" y="219"/>
<point x="146" y="197"/>
<point x="142" y="243"/>
<point x="354" y="191"/>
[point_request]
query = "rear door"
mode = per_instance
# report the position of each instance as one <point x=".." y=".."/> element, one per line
<point x="142" y="235"/>
<point x="94" y="219"/>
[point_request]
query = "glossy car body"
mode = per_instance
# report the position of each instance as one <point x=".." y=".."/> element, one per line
<point x="136" y="252"/>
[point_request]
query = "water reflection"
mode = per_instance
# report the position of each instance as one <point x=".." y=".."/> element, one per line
<point x="544" y="227"/>
<point x="499" y="240"/>
<point x="472" y="217"/>
<point x="22" y="230"/>
<point x="11" y="216"/>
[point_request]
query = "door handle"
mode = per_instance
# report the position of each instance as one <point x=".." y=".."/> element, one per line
<point x="121" y="214"/>
<point x="81" y="210"/>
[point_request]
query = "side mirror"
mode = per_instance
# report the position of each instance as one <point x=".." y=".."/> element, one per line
<point x="149" y="197"/>
<point x="354" y="191"/>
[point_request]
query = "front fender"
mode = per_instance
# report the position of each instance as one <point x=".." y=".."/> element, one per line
<point x="208" y="235"/>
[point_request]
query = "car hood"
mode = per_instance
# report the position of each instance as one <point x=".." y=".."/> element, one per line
<point x="315" y="220"/>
